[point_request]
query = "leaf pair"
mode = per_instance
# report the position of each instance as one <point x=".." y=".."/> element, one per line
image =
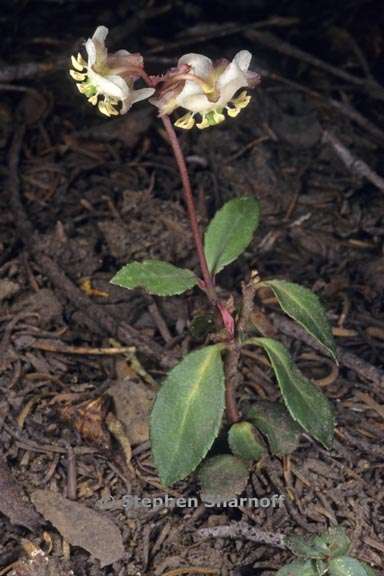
<point x="227" y="236"/>
<point x="324" y="554"/>
<point x="190" y="405"/>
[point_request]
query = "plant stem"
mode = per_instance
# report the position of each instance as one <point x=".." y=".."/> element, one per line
<point x="233" y="353"/>
<point x="231" y="379"/>
<point x="183" y="170"/>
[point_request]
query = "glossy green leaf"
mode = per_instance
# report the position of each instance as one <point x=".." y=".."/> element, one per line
<point x="334" y="542"/>
<point x="305" y="402"/>
<point x="230" y="232"/>
<point x="298" y="568"/>
<point x="275" y="422"/>
<point x="321" y="567"/>
<point x="222" y="478"/>
<point x="306" y="309"/>
<point x="245" y="441"/>
<point x="346" y="566"/>
<point x="187" y="414"/>
<point x="156" y="277"/>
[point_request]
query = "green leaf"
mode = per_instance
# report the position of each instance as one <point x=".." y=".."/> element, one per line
<point x="230" y="232"/>
<point x="321" y="567"/>
<point x="273" y="420"/>
<point x="222" y="478"/>
<point x="298" y="568"/>
<point x="245" y="441"/>
<point x="347" y="566"/>
<point x="304" y="547"/>
<point x="306" y="309"/>
<point x="332" y="543"/>
<point x="187" y="414"/>
<point x="156" y="277"/>
<point x="305" y="402"/>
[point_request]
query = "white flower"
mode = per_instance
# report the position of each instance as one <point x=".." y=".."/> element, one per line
<point x="208" y="89"/>
<point x="110" y="77"/>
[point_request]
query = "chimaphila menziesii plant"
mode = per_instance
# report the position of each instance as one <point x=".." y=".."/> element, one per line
<point x="189" y="410"/>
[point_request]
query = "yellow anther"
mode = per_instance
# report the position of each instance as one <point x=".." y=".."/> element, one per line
<point x="77" y="75"/>
<point x="93" y="99"/>
<point x="233" y="112"/>
<point x="186" y="122"/>
<point x="217" y="117"/>
<point x="242" y="100"/>
<point x="76" y="64"/>
<point x="238" y="104"/>
<point x="112" y="110"/>
<point x="81" y="60"/>
<point x="103" y="108"/>
<point x="82" y="87"/>
<point x="204" y="122"/>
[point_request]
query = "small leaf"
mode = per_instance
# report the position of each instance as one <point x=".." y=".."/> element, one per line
<point x="245" y="441"/>
<point x="222" y="478"/>
<point x="334" y="542"/>
<point x="306" y="309"/>
<point x="305" y="402"/>
<point x="187" y="414"/>
<point x="275" y="422"/>
<point x="321" y="567"/>
<point x="304" y="547"/>
<point x="230" y="232"/>
<point x="346" y="566"/>
<point x="298" y="568"/>
<point x="156" y="277"/>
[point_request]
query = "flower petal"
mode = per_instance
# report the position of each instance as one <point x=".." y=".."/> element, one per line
<point x="230" y="82"/>
<point x="243" y="59"/>
<point x="100" y="34"/>
<point x="196" y="103"/>
<point x="142" y="94"/>
<point x="201" y="65"/>
<point x="111" y="85"/>
<point x="90" y="47"/>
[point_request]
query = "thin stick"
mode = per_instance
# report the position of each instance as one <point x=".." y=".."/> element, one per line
<point x="243" y="530"/>
<point x="354" y="164"/>
<point x="191" y="570"/>
<point x="183" y="170"/>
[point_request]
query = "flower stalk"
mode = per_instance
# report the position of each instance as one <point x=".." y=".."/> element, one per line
<point x="188" y="196"/>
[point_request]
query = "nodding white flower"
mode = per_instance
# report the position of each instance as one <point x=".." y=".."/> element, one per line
<point x="107" y="80"/>
<point x="207" y="89"/>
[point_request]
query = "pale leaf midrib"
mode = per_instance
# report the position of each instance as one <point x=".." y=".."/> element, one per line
<point x="304" y="311"/>
<point x="201" y="373"/>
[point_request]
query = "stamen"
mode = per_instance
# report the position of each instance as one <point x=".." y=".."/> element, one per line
<point x="233" y="112"/>
<point x="211" y="118"/>
<point x="76" y="63"/>
<point x="103" y="108"/>
<point x="77" y="76"/>
<point x="111" y="109"/>
<point x="82" y="87"/>
<point x="204" y="122"/>
<point x="93" y="99"/>
<point x="186" y="122"/>
<point x="239" y="103"/>
<point x="242" y="100"/>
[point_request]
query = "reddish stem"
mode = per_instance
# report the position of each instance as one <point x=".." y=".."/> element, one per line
<point x="209" y="287"/>
<point x="183" y="170"/>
